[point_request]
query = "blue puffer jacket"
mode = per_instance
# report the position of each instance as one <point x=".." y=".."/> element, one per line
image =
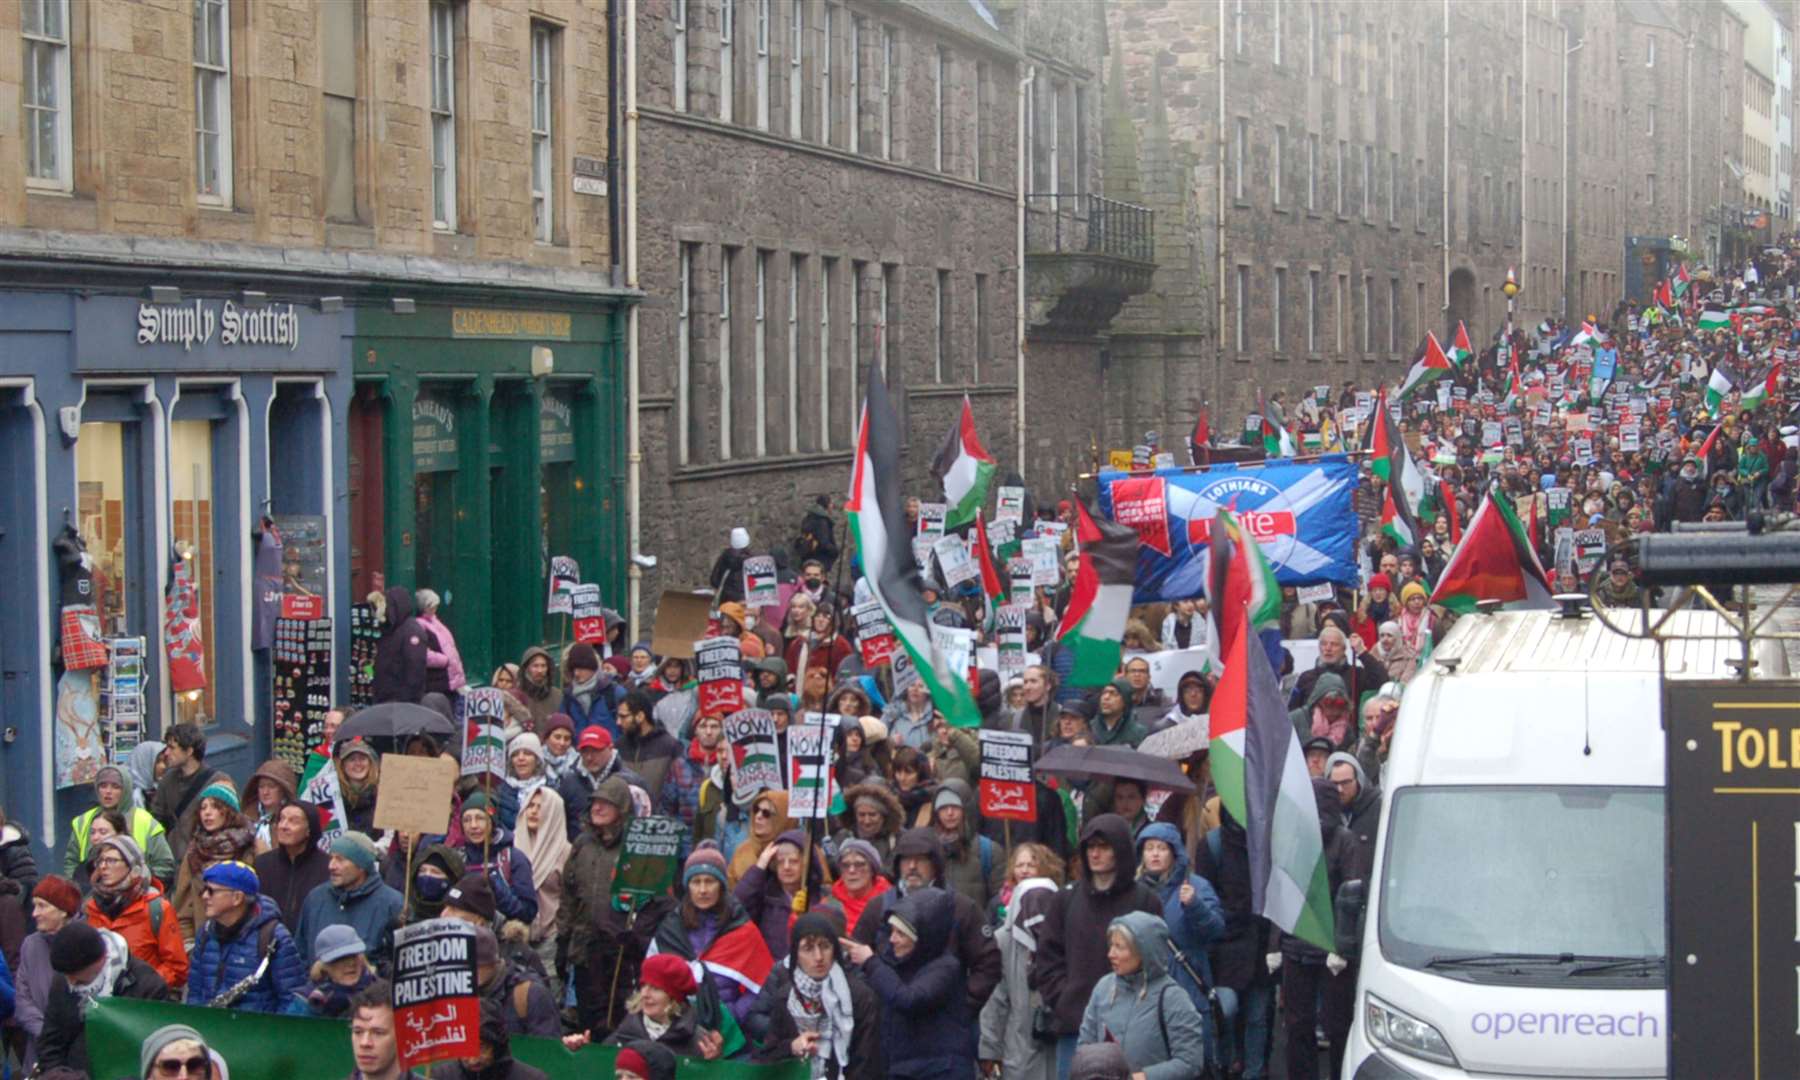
<point x="372" y="909"/>
<point x="599" y="712"/>
<point x="1193" y="928"/>
<point x="222" y="957"/>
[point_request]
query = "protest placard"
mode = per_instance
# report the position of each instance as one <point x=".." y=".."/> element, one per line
<point x="810" y="752"/>
<point x="484" y="732"/>
<point x="760" y="586"/>
<point x="921" y="548"/>
<point x="1046" y="566"/>
<point x="1541" y="416"/>
<point x="1630" y="438"/>
<point x="565" y="574"/>
<point x="681" y="618"/>
<point x="647" y="861"/>
<point x="1492" y="434"/>
<point x="905" y="674"/>
<point x="874" y="637"/>
<point x="1564" y="557"/>
<point x="1007" y="790"/>
<point x="931" y="518"/>
<point x="324" y="792"/>
<point x="1515" y="431"/>
<point x="1009" y="640"/>
<point x="719" y="668"/>
<point x="1590" y="546"/>
<point x="957" y="645"/>
<point x="587" y="614"/>
<point x="437" y="1009"/>
<point x="1582" y="447"/>
<point x="954" y="561"/>
<point x="1001" y="533"/>
<point x="1557" y="501"/>
<point x="1319" y="593"/>
<point x="1018" y="576"/>
<point x="755" y="755"/>
<point x="1009" y="504"/>
<point x="414" y="794"/>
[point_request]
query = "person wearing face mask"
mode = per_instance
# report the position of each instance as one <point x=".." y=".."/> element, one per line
<point x="820" y="1009"/>
<point x="89" y="965"/>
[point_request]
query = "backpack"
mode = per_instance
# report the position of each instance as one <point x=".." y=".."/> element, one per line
<point x="157" y="906"/>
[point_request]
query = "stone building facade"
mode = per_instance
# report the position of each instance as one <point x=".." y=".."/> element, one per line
<point x="823" y="186"/>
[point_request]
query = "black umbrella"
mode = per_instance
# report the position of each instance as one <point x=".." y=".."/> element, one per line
<point x="1112" y="763"/>
<point x="396" y="720"/>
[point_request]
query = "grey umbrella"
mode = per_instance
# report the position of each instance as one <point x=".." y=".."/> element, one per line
<point x="1113" y="763"/>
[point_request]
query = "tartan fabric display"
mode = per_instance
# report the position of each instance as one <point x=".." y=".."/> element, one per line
<point x="81" y="647"/>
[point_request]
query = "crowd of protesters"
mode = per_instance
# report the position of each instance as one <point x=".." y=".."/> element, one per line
<point x="907" y="934"/>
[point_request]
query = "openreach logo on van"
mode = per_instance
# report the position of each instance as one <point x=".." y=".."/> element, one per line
<point x="1500" y="1025"/>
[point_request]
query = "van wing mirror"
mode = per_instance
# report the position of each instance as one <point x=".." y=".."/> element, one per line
<point x="1352" y="901"/>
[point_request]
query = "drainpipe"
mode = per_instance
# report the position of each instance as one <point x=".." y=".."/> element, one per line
<point x="1445" y="244"/>
<point x="1568" y="51"/>
<point x="1219" y="224"/>
<point x="634" y="451"/>
<point x="1025" y="86"/>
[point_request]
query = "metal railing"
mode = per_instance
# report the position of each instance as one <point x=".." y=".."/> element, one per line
<point x="1089" y="224"/>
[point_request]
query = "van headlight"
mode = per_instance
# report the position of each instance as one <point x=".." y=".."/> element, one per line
<point x="1396" y="1030"/>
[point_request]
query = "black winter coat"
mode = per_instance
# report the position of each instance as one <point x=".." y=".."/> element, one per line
<point x="728" y="575"/>
<point x="287" y="880"/>
<point x="1362" y="675"/>
<point x="400" y="654"/>
<point x="1237" y="958"/>
<point x="777" y="1030"/>
<point x="1071" y="954"/>
<point x="970" y="941"/>
<point x="64" y="1038"/>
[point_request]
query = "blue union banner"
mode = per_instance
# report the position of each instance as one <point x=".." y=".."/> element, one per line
<point x="1299" y="513"/>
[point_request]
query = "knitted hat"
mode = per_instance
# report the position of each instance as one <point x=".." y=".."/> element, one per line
<point x="595" y="738"/>
<point x="613" y="790"/>
<point x="359" y="849"/>
<point x="630" y="1061"/>
<point x="740" y="538"/>
<point x="222" y="791"/>
<point x="232" y="875"/>
<point x="707" y="859"/>
<point x="1381" y="581"/>
<point x="162" y="1037"/>
<point x="863" y="848"/>
<point x="74" y="947"/>
<point x="815" y="923"/>
<point x="560" y="720"/>
<point x="670" y="974"/>
<point x="59" y="892"/>
<point x="656" y="1062"/>
<point x="581" y="657"/>
<point x="620" y="665"/>
<point x="478" y="800"/>
<point x="336" y="942"/>
<point x="775" y="701"/>
<point x="946" y="797"/>
<point x="473" y="894"/>
<point x="873" y="730"/>
<point x="1413" y="589"/>
<point x="794" y="837"/>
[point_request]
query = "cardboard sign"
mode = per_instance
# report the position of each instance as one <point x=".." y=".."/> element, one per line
<point x="1007" y="790"/>
<point x="414" y="793"/>
<point x="1045" y="557"/>
<point x="954" y="561"/>
<point x="587" y="614"/>
<point x="931" y="518"/>
<point x="755" y="755"/>
<point x="1321" y="593"/>
<point x="719" y="667"/>
<point x="681" y="619"/>
<point x="760" y="587"/>
<point x="647" y="861"/>
<point x="1009" y="504"/>
<point x="437" y="1009"/>
<point x="874" y="637"/>
<point x="810" y="752"/>
<point x="565" y="574"/>
<point x="1009" y="641"/>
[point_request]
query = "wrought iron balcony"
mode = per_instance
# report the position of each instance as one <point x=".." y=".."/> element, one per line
<point x="1085" y="256"/>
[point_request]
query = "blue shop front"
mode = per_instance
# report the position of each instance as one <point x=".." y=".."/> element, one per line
<point x="173" y="521"/>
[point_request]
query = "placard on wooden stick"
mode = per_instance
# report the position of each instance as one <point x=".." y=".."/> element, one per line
<point x="681" y="619"/>
<point x="414" y="794"/>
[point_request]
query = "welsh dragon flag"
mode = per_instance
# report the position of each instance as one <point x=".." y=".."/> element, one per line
<point x="877" y="514"/>
<point x="1093" y="625"/>
<point x="965" y="469"/>
<point x="1431" y="364"/>
<point x="1260" y="773"/>
<point x="1494" y="561"/>
<point x="1460" y="349"/>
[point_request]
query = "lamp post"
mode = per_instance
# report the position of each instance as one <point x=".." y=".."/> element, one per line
<point x="1511" y="289"/>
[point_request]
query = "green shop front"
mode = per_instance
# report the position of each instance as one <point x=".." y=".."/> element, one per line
<point x="487" y="436"/>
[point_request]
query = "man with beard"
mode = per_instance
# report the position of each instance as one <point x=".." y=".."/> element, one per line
<point x="177" y="794"/>
<point x="919" y="858"/>
<point x="598" y="947"/>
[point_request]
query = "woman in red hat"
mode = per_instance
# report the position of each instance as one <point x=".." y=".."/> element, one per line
<point x="661" y="1012"/>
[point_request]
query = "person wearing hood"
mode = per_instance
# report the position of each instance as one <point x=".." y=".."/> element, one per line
<point x="144" y="768"/>
<point x="221" y="834"/>
<point x="816" y="1007"/>
<point x="875" y="817"/>
<point x="115" y="789"/>
<point x="711" y="928"/>
<point x="536" y="689"/>
<point x="919" y="865"/>
<point x="1113" y="723"/>
<point x="89" y="964"/>
<point x="1072" y="946"/>
<point x="1141" y="1008"/>
<point x="1008" y="1045"/>
<point x="727" y="577"/>
<point x="599" y="948"/>
<point x="127" y="900"/>
<point x="273" y="783"/>
<point x="955" y="754"/>
<point x="1358" y="675"/>
<point x="1318" y="989"/>
<point x="355" y="896"/>
<point x="1193" y="697"/>
<point x="1190" y="909"/>
<point x="1326" y="712"/>
<point x="488" y="849"/>
<point x="435" y="869"/>
<point x="972" y="862"/>
<point x="543" y="837"/>
<point x="1394" y="653"/>
<point x="242" y="929"/>
<point x="861" y="749"/>
<point x="1683" y="496"/>
<point x="401" y="652"/>
<point x="909" y="717"/>
<point x="928" y="1025"/>
<point x="590" y="691"/>
<point x="443" y="661"/>
<point x="817" y="539"/>
<point x="526" y="771"/>
<point x="493" y="1060"/>
<point x="1360" y="800"/>
<point x="768" y="820"/>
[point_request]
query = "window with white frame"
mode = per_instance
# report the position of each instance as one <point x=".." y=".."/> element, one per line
<point x="1365" y="198"/>
<point x="885" y="327"/>
<point x="1649" y="52"/>
<point x="1312" y="311"/>
<point x="1055" y="145"/>
<point x="762" y="64"/>
<point x="543" y="132"/>
<point x="1393" y="314"/>
<point x="1312" y="171"/>
<point x="797" y="49"/>
<point x="1393" y="187"/>
<point x="1343" y="151"/>
<point x="1237" y="26"/>
<point x="939" y="90"/>
<point x="853" y="97"/>
<point x="48" y="140"/>
<point x="1275" y="31"/>
<point x="1241" y="312"/>
<point x="760" y="354"/>
<point x="793" y="353"/>
<point x="1343" y="311"/>
<point x="979" y="299"/>
<point x="1079" y="107"/>
<point x="978" y="148"/>
<point x="856" y="354"/>
<point x="727" y="255"/>
<point x="1277" y="308"/>
<point x="1368" y="335"/>
<point x="443" y="115"/>
<point x="887" y="101"/>
<point x="684" y="357"/>
<point x="679" y="16"/>
<point x="1650" y="119"/>
<point x="827" y="272"/>
<point x="1240" y="150"/>
<point x="212" y="102"/>
<point x="727" y="56"/>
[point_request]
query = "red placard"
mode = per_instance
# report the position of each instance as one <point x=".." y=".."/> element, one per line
<point x="437" y="1011"/>
<point x="1007" y="790"/>
<point x="298" y="606"/>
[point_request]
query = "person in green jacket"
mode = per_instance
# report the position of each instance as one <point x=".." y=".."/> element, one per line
<point x="1115" y="725"/>
<point x="112" y="788"/>
<point x="1753" y="472"/>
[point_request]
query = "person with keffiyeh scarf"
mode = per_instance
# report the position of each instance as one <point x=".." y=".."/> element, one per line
<point x="90" y="964"/>
<point x="818" y="1009"/>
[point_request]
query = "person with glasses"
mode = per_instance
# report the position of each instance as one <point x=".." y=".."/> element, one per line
<point x="176" y="1051"/>
<point x="89" y="964"/>
<point x="127" y="901"/>
<point x="242" y="953"/>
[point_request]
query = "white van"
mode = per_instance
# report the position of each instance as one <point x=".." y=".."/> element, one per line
<point x="1514" y="921"/>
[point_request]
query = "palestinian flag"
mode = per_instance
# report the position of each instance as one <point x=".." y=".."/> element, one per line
<point x="1381" y="436"/>
<point x="1439" y="502"/>
<point x="965" y="469"/>
<point x="1714" y="319"/>
<point x="1260" y="773"/>
<point x="1399" y="515"/>
<point x="1759" y="391"/>
<point x="1093" y="624"/>
<point x="1717" y="388"/>
<point x="1494" y="561"/>
<point x="1277" y="441"/>
<point x="1241" y="577"/>
<point x="1589" y="334"/>
<point x="877" y="514"/>
<point x="1705" y="451"/>
<point x="1460" y="350"/>
<point x="993" y="586"/>
<point x="1431" y="364"/>
<point x="1681" y="281"/>
<point x="1200" y="439"/>
<point x="1665" y="297"/>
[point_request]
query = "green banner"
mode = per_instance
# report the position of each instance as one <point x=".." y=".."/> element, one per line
<point x="255" y="1046"/>
<point x="646" y="867"/>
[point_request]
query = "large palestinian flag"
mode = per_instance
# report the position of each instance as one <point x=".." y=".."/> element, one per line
<point x="877" y="514"/>
<point x="965" y="469"/>
<point x="1260" y="773"/>
<point x="1093" y="625"/>
<point x="1431" y="364"/>
<point x="1461" y="352"/>
<point x="1495" y="561"/>
<point x="1241" y="579"/>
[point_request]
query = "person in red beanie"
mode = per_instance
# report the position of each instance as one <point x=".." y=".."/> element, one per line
<point x="1377" y="607"/>
<point x="660" y="1012"/>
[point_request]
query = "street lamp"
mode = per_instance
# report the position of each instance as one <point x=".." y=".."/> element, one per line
<point x="1511" y="289"/>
